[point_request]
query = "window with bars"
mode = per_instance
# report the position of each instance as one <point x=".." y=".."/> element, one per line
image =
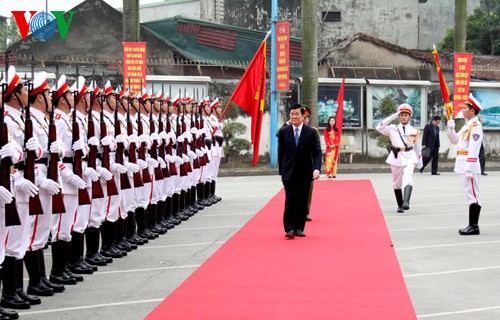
<point x="331" y="16"/>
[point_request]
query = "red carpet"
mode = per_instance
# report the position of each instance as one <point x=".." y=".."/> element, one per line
<point x="345" y="268"/>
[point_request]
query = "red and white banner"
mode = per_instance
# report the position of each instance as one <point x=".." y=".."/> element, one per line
<point x="461" y="82"/>
<point x="282" y="56"/>
<point x="134" y="66"/>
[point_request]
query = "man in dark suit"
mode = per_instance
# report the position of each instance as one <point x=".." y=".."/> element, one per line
<point x="299" y="159"/>
<point x="430" y="141"/>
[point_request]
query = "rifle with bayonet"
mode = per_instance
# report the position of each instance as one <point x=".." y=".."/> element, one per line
<point x="154" y="146"/>
<point x="97" y="192"/>
<point x="53" y="168"/>
<point x="132" y="157"/>
<point x="110" y="184"/>
<point x="83" y="194"/>
<point x="141" y="154"/>
<point x="120" y="147"/>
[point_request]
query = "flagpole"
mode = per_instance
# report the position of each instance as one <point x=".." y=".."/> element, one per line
<point x="274" y="102"/>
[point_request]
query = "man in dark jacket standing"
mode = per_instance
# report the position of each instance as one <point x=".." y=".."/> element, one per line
<point x="430" y="141"/>
<point x="299" y="159"/>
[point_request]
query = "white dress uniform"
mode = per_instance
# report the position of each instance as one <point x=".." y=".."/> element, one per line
<point x="18" y="236"/>
<point x="468" y="141"/>
<point x="143" y="194"/>
<point x="404" y="138"/>
<point x="62" y="222"/>
<point x="98" y="206"/>
<point x="217" y="149"/>
<point x="41" y="225"/>
<point x="112" y="204"/>
<point x="127" y="199"/>
<point x="176" y="181"/>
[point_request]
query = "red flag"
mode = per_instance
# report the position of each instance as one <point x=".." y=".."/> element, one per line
<point x="339" y="116"/>
<point x="442" y="84"/>
<point x="250" y="94"/>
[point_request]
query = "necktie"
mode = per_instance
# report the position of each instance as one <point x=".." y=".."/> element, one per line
<point x="296" y="136"/>
<point x="404" y="131"/>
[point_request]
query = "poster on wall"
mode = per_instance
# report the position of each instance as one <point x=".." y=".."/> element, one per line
<point x="490" y="102"/>
<point x="396" y="95"/>
<point x="327" y="105"/>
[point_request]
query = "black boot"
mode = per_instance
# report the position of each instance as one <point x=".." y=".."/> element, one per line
<point x="140" y="214"/>
<point x="108" y="238"/>
<point x="473" y="227"/>
<point x="92" y="256"/>
<point x="35" y="285"/>
<point x="152" y="226"/>
<point x="43" y="274"/>
<point x="399" y="199"/>
<point x="75" y="265"/>
<point x="130" y="231"/>
<point x="206" y="193"/>
<point x="10" y="299"/>
<point x="57" y="274"/>
<point x="212" y="190"/>
<point x="81" y="257"/>
<point x="32" y="300"/>
<point x="407" y="196"/>
<point x="120" y="241"/>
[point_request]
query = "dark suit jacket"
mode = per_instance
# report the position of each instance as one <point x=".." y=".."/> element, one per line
<point x="429" y="138"/>
<point x="298" y="161"/>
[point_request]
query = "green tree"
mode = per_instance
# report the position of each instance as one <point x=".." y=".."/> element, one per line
<point x="387" y="107"/>
<point x="9" y="33"/>
<point x="483" y="30"/>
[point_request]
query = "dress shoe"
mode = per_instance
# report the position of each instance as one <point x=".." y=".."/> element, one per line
<point x="308" y="218"/>
<point x="435" y="173"/>
<point x="484" y="174"/>
<point x="75" y="276"/>
<point x="2" y="317"/>
<point x="107" y="259"/>
<point x="299" y="233"/>
<point x="13" y="301"/>
<point x="290" y="234"/>
<point x="56" y="287"/>
<point x="472" y="229"/>
<point x="62" y="279"/>
<point x="40" y="289"/>
<point x="94" y="259"/>
<point x="88" y="265"/>
<point x="400" y="210"/>
<point x="9" y="314"/>
<point x="32" y="300"/>
<point x="79" y="268"/>
<point x="421" y="170"/>
<point x="109" y="252"/>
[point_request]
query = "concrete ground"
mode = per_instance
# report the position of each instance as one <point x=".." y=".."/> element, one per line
<point x="448" y="276"/>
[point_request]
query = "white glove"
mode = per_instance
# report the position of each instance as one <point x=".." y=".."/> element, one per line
<point x="193" y="130"/>
<point x="185" y="158"/>
<point x="68" y="176"/>
<point x="32" y="144"/>
<point x="5" y="196"/>
<point x="155" y="136"/>
<point x="133" y="138"/>
<point x="107" y="141"/>
<point x="469" y="174"/>
<point x="78" y="145"/>
<point x="180" y="138"/>
<point x="171" y="135"/>
<point x="132" y="167"/>
<point x="199" y="153"/>
<point x="56" y="147"/>
<point x="24" y="185"/>
<point x="93" y="141"/>
<point x="198" y="134"/>
<point x="169" y="158"/>
<point x="118" y="168"/>
<point x="122" y="138"/>
<point x="192" y="155"/>
<point x="50" y="186"/>
<point x="163" y="135"/>
<point x="144" y="138"/>
<point x="9" y="150"/>
<point x="142" y="164"/>
<point x="104" y="173"/>
<point x="91" y="174"/>
<point x="153" y="163"/>
<point x="178" y="160"/>
<point x="162" y="162"/>
<point x="219" y="126"/>
<point x="189" y="136"/>
<point x="77" y="182"/>
<point x="451" y="123"/>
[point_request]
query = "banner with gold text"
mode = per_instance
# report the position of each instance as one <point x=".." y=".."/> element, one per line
<point x="461" y="78"/>
<point x="282" y="56"/>
<point x="134" y="65"/>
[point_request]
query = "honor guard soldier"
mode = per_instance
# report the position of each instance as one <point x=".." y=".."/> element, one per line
<point x="468" y="141"/>
<point x="99" y="191"/>
<point x="218" y="147"/>
<point x="14" y="97"/>
<point x="77" y="263"/>
<point x="405" y="153"/>
<point x="63" y="99"/>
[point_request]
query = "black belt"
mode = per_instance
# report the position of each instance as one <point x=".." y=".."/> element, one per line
<point x="22" y="165"/>
<point x="67" y="160"/>
<point x="402" y="149"/>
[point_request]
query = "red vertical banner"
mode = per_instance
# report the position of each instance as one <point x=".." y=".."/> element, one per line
<point x="134" y="65"/>
<point x="282" y="56"/>
<point x="461" y="82"/>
